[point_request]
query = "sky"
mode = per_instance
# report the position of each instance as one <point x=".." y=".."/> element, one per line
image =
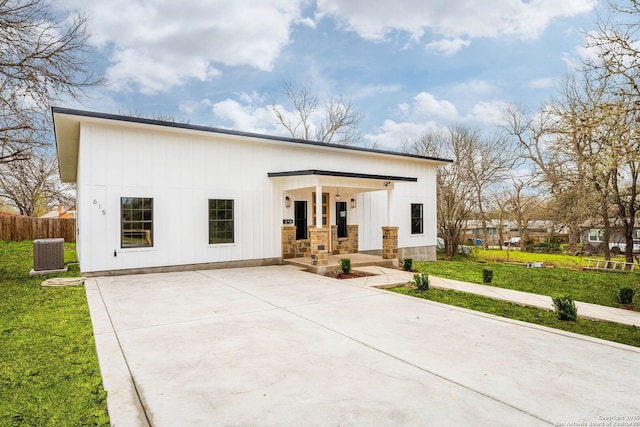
<point x="409" y="66"/>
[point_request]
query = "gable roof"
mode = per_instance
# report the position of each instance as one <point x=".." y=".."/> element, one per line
<point x="67" y="133"/>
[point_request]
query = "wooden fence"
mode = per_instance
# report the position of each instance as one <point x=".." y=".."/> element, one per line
<point x="17" y="228"/>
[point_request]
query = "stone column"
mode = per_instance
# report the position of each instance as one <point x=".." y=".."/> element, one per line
<point x="288" y="241"/>
<point x="353" y="238"/>
<point x="337" y="248"/>
<point x="319" y="248"/>
<point x="390" y="243"/>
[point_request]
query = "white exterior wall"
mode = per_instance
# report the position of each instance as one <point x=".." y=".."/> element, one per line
<point x="182" y="169"/>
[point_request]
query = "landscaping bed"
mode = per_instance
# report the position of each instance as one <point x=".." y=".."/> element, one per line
<point x="338" y="274"/>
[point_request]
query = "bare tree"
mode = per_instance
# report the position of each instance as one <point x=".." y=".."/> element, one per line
<point x="34" y="183"/>
<point x="616" y="66"/>
<point x="555" y="168"/>
<point x="524" y="204"/>
<point x="335" y="122"/>
<point x="490" y="161"/>
<point x="43" y="58"/>
<point x="462" y="187"/>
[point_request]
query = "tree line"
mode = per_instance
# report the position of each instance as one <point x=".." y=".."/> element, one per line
<point x="577" y="157"/>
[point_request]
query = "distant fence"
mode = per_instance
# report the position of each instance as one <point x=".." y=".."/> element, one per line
<point x="17" y="228"/>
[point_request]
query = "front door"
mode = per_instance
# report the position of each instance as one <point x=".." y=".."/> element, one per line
<point x="300" y="219"/>
<point x="341" y="219"/>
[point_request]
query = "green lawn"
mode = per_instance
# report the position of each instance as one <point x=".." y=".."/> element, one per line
<point x="511" y="255"/>
<point x="624" y="334"/>
<point x="49" y="374"/>
<point x="554" y="260"/>
<point x="587" y="286"/>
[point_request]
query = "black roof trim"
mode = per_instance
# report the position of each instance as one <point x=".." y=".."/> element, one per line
<point x="106" y="116"/>
<point x="342" y="175"/>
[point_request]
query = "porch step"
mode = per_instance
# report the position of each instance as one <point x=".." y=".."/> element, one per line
<point x="357" y="260"/>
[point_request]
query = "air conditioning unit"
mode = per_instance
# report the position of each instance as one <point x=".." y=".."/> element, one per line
<point x="48" y="255"/>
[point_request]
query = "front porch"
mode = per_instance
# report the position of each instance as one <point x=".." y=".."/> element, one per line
<point x="333" y="263"/>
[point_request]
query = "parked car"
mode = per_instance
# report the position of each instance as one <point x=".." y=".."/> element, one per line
<point x="514" y="241"/>
<point x="619" y="247"/>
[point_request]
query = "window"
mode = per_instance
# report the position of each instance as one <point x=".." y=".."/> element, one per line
<point x="341" y="219"/>
<point x="325" y="209"/>
<point x="596" y="235"/>
<point x="220" y="221"/>
<point x="300" y="219"/>
<point x="136" y="215"/>
<point x="417" y="218"/>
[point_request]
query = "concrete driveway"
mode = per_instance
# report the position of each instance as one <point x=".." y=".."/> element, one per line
<point x="276" y="346"/>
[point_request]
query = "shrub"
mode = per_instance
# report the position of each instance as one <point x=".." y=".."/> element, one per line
<point x="625" y="296"/>
<point x="565" y="308"/>
<point x="487" y="275"/>
<point x="345" y="265"/>
<point x="407" y="264"/>
<point x="421" y="281"/>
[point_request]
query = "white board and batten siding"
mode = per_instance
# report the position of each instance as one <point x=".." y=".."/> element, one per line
<point x="181" y="169"/>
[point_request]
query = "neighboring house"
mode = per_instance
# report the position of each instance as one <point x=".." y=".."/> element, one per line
<point x="169" y="196"/>
<point x="60" y="212"/>
<point x="592" y="237"/>
<point x="537" y="231"/>
<point x="474" y="232"/>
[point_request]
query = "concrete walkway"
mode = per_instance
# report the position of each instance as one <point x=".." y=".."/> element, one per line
<point x="386" y="277"/>
<point x="276" y="346"/>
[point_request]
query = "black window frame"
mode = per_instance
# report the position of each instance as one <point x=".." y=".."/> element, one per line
<point x="417" y="218"/>
<point x="221" y="217"/>
<point x="136" y="216"/>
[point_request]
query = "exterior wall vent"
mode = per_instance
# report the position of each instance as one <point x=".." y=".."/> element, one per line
<point x="48" y="255"/>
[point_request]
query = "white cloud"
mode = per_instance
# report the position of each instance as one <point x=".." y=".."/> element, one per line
<point x="426" y="114"/>
<point x="246" y="116"/>
<point x="426" y="106"/>
<point x="448" y="47"/>
<point x="488" y="113"/>
<point x="155" y="45"/>
<point x="375" y="19"/>
<point x="393" y="135"/>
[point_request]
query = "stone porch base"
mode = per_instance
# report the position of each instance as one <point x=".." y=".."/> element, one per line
<point x="357" y="260"/>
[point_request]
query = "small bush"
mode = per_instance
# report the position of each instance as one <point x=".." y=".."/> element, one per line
<point x="487" y="275"/>
<point x="625" y="296"/>
<point x="407" y="264"/>
<point x="345" y="265"/>
<point x="421" y="281"/>
<point x="565" y="308"/>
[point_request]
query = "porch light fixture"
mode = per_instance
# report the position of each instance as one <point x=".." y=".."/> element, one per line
<point x="337" y="197"/>
<point x="353" y="203"/>
<point x="287" y="202"/>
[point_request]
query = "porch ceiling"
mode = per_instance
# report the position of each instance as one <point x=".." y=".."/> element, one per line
<point x="357" y="182"/>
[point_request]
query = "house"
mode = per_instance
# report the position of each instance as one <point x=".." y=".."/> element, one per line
<point x="61" y="212"/>
<point x="501" y="232"/>
<point x="160" y="196"/>
<point x="592" y="236"/>
<point x="474" y="231"/>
